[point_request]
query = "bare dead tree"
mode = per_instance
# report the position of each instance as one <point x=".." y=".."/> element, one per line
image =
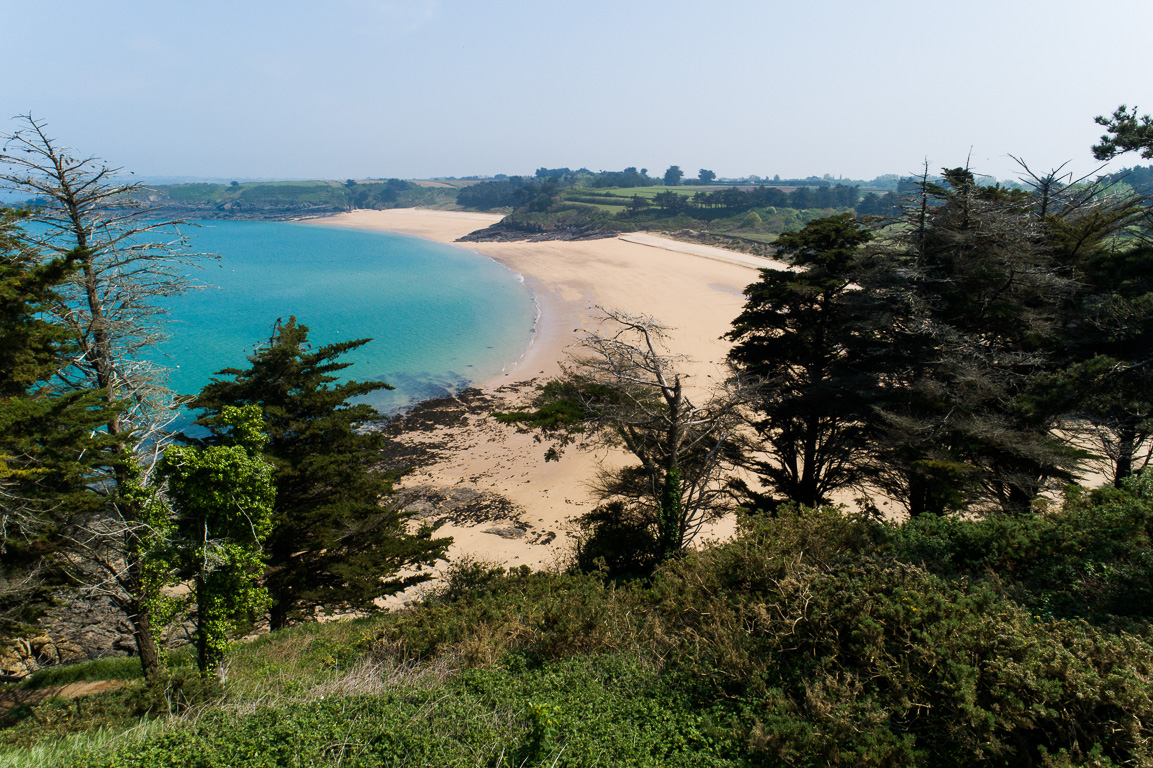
<point x="630" y="392"/>
<point x="127" y="263"/>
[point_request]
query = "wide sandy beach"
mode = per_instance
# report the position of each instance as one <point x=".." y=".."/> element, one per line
<point x="696" y="290"/>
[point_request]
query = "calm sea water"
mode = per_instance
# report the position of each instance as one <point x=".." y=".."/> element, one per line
<point x="439" y="317"/>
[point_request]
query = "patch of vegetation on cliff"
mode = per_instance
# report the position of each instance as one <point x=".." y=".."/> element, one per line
<point x="292" y="199"/>
<point x="575" y="205"/>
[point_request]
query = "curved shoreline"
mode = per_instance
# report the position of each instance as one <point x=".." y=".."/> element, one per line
<point x="506" y="367"/>
<point x="696" y="290"/>
<point x="696" y="293"/>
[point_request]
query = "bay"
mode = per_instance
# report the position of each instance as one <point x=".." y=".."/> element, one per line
<point x="440" y="317"/>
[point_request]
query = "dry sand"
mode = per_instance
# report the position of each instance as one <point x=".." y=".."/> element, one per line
<point x="696" y="290"/>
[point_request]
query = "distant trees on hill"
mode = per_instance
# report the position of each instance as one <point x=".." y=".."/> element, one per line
<point x="734" y="200"/>
<point x="629" y="177"/>
<point x="1139" y="178"/>
<point x="378" y="194"/>
<point x="872" y="204"/>
<point x="506" y="193"/>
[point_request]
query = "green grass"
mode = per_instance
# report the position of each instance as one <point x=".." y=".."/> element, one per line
<point x="115" y="668"/>
<point x="814" y="638"/>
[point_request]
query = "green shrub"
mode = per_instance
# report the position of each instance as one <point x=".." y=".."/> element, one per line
<point x="813" y="638"/>
<point x="618" y="539"/>
<point x="605" y="711"/>
<point x="859" y="659"/>
<point x="540" y="616"/>
<point x="1091" y="559"/>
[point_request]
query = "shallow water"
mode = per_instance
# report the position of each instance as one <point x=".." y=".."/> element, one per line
<point x="440" y="317"/>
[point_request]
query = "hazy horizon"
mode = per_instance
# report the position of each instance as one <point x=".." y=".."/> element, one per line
<point x="428" y="88"/>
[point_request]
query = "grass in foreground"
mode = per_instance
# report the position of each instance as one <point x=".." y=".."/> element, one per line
<point x="813" y="639"/>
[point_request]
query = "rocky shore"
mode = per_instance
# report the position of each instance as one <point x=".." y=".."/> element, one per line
<point x="499" y="233"/>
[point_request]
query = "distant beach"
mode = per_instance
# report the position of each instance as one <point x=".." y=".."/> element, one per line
<point x="696" y="290"/>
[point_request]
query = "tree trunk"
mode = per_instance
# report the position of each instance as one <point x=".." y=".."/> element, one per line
<point x="1126" y="447"/>
<point x="669" y="525"/>
<point x="146" y="643"/>
<point x="277" y="613"/>
<point x="140" y="614"/>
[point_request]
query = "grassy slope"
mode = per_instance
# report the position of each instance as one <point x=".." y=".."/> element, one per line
<point x="814" y="639"/>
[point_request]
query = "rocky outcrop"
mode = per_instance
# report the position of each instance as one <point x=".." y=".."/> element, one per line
<point x="506" y="234"/>
<point x="94" y="627"/>
<point x="74" y="629"/>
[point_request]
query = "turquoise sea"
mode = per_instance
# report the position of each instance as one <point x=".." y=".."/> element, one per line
<point x="440" y="317"/>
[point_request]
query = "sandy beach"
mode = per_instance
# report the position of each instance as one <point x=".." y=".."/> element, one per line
<point x="696" y="290"/>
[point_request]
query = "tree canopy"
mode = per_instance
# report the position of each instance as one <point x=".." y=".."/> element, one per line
<point x="335" y="543"/>
<point x="1125" y="132"/>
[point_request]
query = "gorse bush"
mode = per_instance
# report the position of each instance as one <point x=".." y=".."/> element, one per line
<point x="861" y="659"/>
<point x="487" y="614"/>
<point x="1091" y="559"/>
<point x="815" y="643"/>
<point x="814" y="638"/>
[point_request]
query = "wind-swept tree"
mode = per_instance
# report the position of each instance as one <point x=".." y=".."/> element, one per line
<point x="112" y="312"/>
<point x="625" y="388"/>
<point x="1125" y="132"/>
<point x="976" y="292"/>
<point x="335" y="543"/>
<point x="1102" y="388"/>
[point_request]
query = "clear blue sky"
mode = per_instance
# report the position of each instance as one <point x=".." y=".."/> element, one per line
<point x="417" y="88"/>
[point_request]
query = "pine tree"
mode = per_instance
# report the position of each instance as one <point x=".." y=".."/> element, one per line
<point x="806" y="336"/>
<point x="975" y="290"/>
<point x="333" y="545"/>
<point x="49" y="439"/>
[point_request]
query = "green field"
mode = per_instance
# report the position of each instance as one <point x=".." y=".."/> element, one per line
<point x="654" y="191"/>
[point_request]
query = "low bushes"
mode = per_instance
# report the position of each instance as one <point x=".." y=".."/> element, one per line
<point x="814" y="638"/>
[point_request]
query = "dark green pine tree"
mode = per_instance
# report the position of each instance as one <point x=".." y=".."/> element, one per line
<point x="976" y="291"/>
<point x="334" y="545"/>
<point x="50" y="443"/>
<point x="1104" y="388"/>
<point x="809" y="338"/>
